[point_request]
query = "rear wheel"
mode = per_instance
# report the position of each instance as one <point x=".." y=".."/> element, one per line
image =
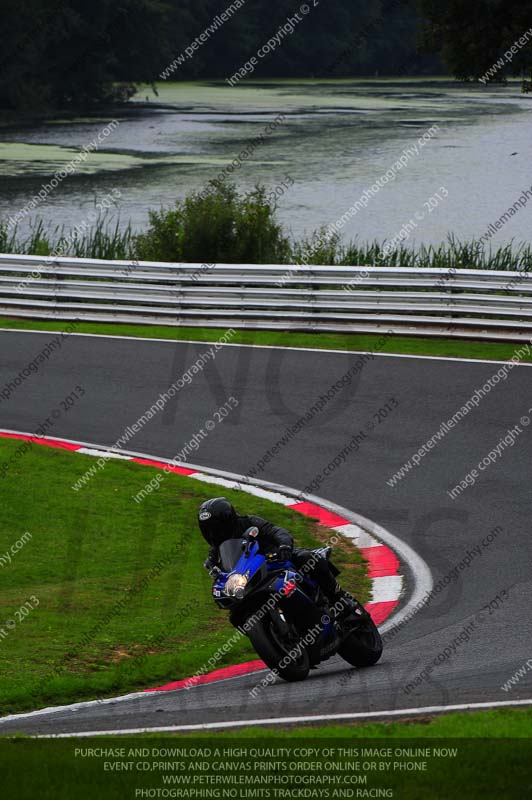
<point x="288" y="659"/>
<point x="363" y="646"/>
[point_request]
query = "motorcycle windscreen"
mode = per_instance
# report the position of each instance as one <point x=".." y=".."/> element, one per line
<point x="230" y="553"/>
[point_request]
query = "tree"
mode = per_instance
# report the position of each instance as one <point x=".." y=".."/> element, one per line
<point x="71" y="52"/>
<point x="336" y="38"/>
<point x="60" y="53"/>
<point x="476" y="37"/>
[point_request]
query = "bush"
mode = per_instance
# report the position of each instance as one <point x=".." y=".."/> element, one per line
<point x="217" y="225"/>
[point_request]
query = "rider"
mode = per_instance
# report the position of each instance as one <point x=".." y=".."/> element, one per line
<point x="218" y="521"/>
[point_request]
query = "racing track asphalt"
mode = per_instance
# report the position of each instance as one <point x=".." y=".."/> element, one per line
<point x="275" y="387"/>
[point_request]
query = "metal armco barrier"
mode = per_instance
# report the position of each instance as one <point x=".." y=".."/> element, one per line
<point x="427" y="302"/>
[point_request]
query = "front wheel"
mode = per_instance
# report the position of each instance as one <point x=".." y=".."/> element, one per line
<point x="363" y="646"/>
<point x="290" y="661"/>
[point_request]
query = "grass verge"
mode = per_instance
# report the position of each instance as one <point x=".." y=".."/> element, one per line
<point x="478" y="756"/>
<point x="404" y="345"/>
<point x="504" y="723"/>
<point x="109" y="617"/>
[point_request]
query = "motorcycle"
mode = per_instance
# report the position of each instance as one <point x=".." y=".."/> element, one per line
<point x="285" y="614"/>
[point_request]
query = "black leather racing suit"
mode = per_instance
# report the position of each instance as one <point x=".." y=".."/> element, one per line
<point x="270" y="538"/>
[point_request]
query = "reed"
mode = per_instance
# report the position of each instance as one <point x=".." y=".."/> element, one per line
<point x="219" y="225"/>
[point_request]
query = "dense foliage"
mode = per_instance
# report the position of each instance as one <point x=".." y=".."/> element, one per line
<point x="71" y="52"/>
<point x="57" y="53"/>
<point x="336" y="37"/>
<point x="221" y="225"/>
<point x="475" y="37"/>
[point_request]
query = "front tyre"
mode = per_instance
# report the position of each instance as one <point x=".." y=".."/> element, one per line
<point x="287" y="660"/>
<point x="363" y="646"/>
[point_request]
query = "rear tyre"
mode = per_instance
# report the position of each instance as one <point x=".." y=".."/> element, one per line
<point x="363" y="646"/>
<point x="277" y="655"/>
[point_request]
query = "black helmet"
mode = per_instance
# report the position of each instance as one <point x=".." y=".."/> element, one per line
<point x="217" y="520"/>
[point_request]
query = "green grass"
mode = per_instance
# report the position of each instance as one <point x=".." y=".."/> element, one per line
<point x="410" y="345"/>
<point x="487" y="756"/>
<point x="220" y="225"/>
<point x="507" y="723"/>
<point x="88" y="551"/>
<point x="106" y="239"/>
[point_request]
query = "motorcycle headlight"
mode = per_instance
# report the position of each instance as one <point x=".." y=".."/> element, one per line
<point x="235" y="585"/>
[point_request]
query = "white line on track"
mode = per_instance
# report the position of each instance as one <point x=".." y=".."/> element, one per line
<point x="420" y="575"/>
<point x="109" y="701"/>
<point x="281" y="347"/>
<point x="242" y="723"/>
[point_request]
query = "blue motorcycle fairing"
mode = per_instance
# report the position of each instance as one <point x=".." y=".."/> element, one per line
<point x="249" y="564"/>
<point x="296" y="592"/>
<point x="252" y="562"/>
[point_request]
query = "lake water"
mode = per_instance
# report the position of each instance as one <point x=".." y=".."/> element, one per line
<point x="337" y="139"/>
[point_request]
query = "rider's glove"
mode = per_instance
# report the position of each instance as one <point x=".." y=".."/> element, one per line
<point x="208" y="564"/>
<point x="284" y="553"/>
